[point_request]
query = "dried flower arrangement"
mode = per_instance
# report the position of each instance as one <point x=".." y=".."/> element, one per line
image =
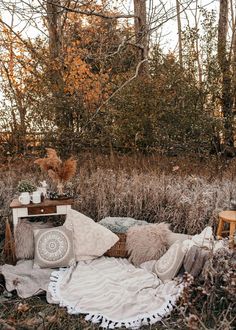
<point x="60" y="172"/>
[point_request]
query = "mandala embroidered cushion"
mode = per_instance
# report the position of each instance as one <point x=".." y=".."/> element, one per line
<point x="91" y="240"/>
<point x="53" y="247"/>
<point x="169" y="264"/>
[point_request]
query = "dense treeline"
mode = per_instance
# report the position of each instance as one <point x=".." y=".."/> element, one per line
<point x="92" y="80"/>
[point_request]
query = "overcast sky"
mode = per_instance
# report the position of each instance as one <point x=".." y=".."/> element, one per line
<point x="168" y="31"/>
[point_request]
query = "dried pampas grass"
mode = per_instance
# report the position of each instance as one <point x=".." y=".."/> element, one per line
<point x="60" y="172"/>
<point x="51" y="162"/>
<point x="68" y="169"/>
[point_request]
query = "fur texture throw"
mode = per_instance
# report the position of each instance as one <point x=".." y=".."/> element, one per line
<point x="146" y="243"/>
<point x="24" y="238"/>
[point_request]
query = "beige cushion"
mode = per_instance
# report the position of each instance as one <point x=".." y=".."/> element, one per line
<point x="53" y="248"/>
<point x="169" y="264"/>
<point x="195" y="260"/>
<point x="91" y="240"/>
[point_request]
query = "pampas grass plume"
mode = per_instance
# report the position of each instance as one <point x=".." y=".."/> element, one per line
<point x="51" y="162"/>
<point x="58" y="171"/>
<point x="68" y="169"/>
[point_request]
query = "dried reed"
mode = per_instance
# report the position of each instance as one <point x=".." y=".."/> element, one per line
<point x="60" y="172"/>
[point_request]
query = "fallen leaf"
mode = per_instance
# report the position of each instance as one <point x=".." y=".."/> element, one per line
<point x="51" y="318"/>
<point x="23" y="307"/>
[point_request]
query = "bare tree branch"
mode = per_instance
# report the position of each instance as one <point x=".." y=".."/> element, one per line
<point x="92" y="12"/>
<point x="116" y="91"/>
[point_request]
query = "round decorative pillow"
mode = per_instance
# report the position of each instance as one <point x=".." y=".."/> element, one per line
<point x="53" y="247"/>
<point x="169" y="264"/>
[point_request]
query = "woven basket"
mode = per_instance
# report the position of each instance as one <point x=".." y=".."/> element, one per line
<point x="119" y="249"/>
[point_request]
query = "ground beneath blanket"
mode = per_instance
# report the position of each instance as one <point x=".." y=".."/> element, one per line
<point x="211" y="301"/>
<point x="36" y="313"/>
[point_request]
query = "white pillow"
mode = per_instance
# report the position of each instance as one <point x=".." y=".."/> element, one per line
<point x="91" y="240"/>
<point x="168" y="265"/>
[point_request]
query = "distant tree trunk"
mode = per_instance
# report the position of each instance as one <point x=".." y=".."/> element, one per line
<point x="54" y="20"/>
<point x="63" y="115"/>
<point x="19" y="131"/>
<point x="234" y="58"/>
<point x="179" y="33"/>
<point x="199" y="65"/>
<point x="54" y="28"/>
<point x="141" y="34"/>
<point x="224" y="63"/>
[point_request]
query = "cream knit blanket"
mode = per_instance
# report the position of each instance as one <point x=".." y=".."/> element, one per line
<point x="114" y="293"/>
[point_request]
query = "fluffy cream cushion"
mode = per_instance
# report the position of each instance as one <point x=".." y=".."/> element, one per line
<point x="24" y="238"/>
<point x="146" y="243"/>
<point x="169" y="264"/>
<point x="91" y="240"/>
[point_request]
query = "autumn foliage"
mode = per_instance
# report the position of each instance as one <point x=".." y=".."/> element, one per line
<point x="75" y="87"/>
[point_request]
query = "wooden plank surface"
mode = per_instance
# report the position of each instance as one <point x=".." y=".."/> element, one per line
<point x="228" y="216"/>
<point x="47" y="202"/>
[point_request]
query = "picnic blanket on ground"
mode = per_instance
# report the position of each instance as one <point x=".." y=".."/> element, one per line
<point x="25" y="279"/>
<point x="114" y="293"/>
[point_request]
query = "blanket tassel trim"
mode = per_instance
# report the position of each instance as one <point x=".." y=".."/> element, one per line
<point x="106" y="323"/>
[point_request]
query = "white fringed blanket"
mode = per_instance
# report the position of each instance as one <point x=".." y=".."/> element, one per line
<point x="114" y="293"/>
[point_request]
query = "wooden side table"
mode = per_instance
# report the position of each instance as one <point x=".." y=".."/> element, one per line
<point x="46" y="208"/>
<point x="230" y="218"/>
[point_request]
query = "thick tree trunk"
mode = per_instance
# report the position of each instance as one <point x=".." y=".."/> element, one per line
<point x="54" y="18"/>
<point x="141" y="34"/>
<point x="19" y="131"/>
<point x="224" y="63"/>
<point x="234" y="65"/>
<point x="54" y="28"/>
<point x="55" y="46"/>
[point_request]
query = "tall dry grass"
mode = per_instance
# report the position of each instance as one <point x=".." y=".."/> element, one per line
<point x="189" y="196"/>
<point x="188" y="203"/>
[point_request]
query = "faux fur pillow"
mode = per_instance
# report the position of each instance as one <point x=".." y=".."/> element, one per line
<point x="24" y="238"/>
<point x="146" y="243"/>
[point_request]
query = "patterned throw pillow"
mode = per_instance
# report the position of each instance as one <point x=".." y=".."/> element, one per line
<point x="53" y="248"/>
<point x="91" y="240"/>
<point x="168" y="265"/>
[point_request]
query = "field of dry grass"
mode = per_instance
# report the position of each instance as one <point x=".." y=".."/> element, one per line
<point x="188" y="194"/>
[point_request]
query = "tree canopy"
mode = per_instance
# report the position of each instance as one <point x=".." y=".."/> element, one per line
<point x="98" y="76"/>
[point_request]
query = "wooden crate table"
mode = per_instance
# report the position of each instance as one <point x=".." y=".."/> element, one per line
<point x="47" y="208"/>
<point x="230" y="218"/>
